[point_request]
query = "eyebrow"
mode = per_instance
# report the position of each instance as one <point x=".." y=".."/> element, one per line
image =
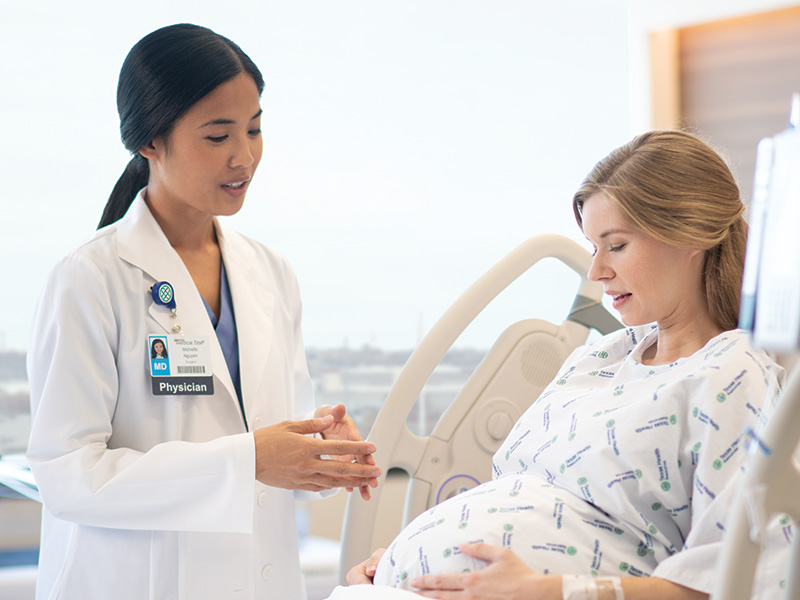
<point x="228" y="121"/>
<point x="607" y="233"/>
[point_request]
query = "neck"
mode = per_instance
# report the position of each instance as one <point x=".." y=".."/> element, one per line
<point x="679" y="340"/>
<point x="185" y="231"/>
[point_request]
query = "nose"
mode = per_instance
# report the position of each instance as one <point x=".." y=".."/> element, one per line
<point x="244" y="154"/>
<point x="599" y="269"/>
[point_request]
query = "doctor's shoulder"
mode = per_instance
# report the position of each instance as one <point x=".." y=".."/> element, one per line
<point x="86" y="268"/>
<point x="271" y="264"/>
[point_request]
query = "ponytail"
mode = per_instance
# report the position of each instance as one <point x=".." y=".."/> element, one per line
<point x="724" y="266"/>
<point x="133" y="179"/>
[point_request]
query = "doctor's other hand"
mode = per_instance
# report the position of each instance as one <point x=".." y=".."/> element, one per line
<point x="288" y="457"/>
<point x="365" y="571"/>
<point x="506" y="577"/>
<point x="344" y="428"/>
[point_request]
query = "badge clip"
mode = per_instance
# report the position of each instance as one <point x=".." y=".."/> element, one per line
<point x="164" y="295"/>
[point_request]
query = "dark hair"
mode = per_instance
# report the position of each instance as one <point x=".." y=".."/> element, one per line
<point x="153" y="353"/>
<point x="674" y="187"/>
<point x="163" y="76"/>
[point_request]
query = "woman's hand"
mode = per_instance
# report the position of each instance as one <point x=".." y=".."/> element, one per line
<point x="364" y="572"/>
<point x="506" y="578"/>
<point x="344" y="428"/>
<point x="288" y="457"/>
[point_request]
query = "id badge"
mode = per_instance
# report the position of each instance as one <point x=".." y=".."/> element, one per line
<point x="180" y="365"/>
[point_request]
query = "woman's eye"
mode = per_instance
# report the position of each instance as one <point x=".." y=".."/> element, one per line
<point x="217" y="140"/>
<point x="617" y="248"/>
<point x="254" y="132"/>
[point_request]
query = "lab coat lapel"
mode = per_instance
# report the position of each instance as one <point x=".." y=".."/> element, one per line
<point x="141" y="243"/>
<point x="253" y="306"/>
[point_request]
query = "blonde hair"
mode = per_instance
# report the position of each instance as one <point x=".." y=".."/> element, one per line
<point x="676" y="188"/>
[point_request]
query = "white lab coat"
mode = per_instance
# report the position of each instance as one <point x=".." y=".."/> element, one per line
<point x="154" y="497"/>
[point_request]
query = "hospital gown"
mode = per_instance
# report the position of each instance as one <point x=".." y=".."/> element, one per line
<point x="618" y="469"/>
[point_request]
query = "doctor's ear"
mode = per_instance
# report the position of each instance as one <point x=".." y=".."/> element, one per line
<point x="153" y="149"/>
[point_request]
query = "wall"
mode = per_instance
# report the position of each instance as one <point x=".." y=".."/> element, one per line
<point x="648" y="16"/>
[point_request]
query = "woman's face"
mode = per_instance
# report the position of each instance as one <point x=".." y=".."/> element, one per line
<point x="158" y="347"/>
<point x="205" y="165"/>
<point x="648" y="280"/>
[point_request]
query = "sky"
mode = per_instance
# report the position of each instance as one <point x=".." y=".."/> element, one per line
<point x="408" y="146"/>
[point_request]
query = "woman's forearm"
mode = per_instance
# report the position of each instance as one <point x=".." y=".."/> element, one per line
<point x="655" y="588"/>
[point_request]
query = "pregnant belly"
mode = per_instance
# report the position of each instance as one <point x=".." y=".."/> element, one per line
<point x="551" y="530"/>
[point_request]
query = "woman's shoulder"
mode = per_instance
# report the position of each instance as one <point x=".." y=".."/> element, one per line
<point x="733" y="351"/>
<point x="732" y="347"/>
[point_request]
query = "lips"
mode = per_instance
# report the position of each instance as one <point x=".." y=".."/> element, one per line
<point x="237" y="187"/>
<point x="618" y="299"/>
<point x="236" y="184"/>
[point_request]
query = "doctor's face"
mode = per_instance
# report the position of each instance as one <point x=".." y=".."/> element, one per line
<point x="205" y="164"/>
<point x="648" y="280"/>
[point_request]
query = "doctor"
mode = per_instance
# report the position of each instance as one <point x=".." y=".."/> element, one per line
<point x="175" y="477"/>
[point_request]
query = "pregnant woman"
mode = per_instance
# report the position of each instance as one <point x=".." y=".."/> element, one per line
<point x="617" y="480"/>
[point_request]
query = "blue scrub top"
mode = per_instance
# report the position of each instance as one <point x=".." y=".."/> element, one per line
<point x="226" y="332"/>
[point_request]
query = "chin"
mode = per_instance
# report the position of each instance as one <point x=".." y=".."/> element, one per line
<point x="230" y="208"/>
<point x="631" y="321"/>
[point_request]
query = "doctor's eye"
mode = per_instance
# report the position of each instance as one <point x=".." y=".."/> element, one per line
<point x="254" y="132"/>
<point x="217" y="140"/>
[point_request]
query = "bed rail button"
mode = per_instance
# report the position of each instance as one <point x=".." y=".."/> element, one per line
<point x="499" y="425"/>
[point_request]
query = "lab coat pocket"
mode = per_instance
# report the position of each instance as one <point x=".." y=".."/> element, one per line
<point x="163" y="560"/>
<point x="100" y="559"/>
<point x="215" y="565"/>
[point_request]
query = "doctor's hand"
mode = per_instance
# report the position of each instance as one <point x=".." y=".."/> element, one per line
<point x="288" y="457"/>
<point x="506" y="578"/>
<point x="365" y="571"/>
<point x="344" y="428"/>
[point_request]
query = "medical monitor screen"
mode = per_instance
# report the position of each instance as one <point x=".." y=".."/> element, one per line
<point x="771" y="285"/>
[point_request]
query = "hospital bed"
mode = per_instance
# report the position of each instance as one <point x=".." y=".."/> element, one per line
<point x="457" y="455"/>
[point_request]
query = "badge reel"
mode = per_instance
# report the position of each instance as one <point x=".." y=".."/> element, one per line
<point x="164" y="295"/>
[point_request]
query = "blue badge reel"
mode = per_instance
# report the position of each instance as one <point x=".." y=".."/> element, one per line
<point x="164" y="295"/>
